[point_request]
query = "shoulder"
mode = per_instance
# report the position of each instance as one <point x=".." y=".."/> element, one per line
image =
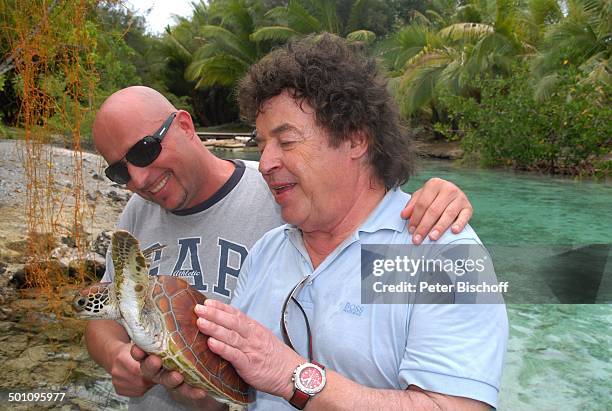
<point x="253" y="165"/>
<point x="465" y="236"/>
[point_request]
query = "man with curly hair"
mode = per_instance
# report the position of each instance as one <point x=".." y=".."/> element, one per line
<point x="334" y="156"/>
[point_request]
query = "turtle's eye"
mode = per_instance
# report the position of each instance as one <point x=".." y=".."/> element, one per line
<point x="79" y="304"/>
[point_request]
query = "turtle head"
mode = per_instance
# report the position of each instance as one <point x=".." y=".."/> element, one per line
<point x="97" y="301"/>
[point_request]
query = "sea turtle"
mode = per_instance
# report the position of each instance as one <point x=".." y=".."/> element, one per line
<point x="157" y="313"/>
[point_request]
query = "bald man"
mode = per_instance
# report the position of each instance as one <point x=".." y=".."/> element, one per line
<point x="207" y="212"/>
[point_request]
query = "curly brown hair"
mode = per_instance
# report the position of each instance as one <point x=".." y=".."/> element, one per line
<point x="346" y="92"/>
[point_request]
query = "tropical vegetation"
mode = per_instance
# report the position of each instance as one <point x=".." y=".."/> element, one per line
<point x="522" y="83"/>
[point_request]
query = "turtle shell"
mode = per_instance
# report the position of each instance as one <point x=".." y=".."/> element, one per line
<point x="187" y="349"/>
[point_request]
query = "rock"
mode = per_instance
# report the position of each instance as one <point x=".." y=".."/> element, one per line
<point x="70" y="260"/>
<point x="94" y="195"/>
<point x="63" y="334"/>
<point x="115" y="196"/>
<point x="5" y="326"/>
<point x="102" y="242"/>
<point x="68" y="240"/>
<point x="97" y="176"/>
<point x="34" y="272"/>
<point x="56" y="372"/>
<point x="85" y="405"/>
<point x="30" y="358"/>
<point x="18" y="279"/>
<point x="13" y="344"/>
<point x="20" y="246"/>
<point x="450" y="150"/>
<point x="3" y="267"/>
<point x="12" y="256"/>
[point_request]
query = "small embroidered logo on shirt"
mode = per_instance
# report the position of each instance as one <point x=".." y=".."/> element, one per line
<point x="353" y="309"/>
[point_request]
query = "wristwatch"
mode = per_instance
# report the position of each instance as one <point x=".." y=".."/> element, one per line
<point x="308" y="380"/>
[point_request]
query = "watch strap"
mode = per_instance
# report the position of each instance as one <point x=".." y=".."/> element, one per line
<point x="299" y="399"/>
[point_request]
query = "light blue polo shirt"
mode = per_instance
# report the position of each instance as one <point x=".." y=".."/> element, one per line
<point x="450" y="349"/>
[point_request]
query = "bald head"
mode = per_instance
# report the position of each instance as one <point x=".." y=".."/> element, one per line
<point x="132" y="111"/>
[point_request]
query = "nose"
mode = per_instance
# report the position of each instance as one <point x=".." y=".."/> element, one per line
<point x="138" y="177"/>
<point x="270" y="160"/>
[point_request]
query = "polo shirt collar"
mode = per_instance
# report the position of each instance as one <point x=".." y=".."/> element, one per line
<point x="384" y="216"/>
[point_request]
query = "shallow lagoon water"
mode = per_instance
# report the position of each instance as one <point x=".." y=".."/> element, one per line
<point x="559" y="355"/>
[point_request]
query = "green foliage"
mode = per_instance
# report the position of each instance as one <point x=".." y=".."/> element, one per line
<point x="571" y="133"/>
<point x="228" y="50"/>
<point x="582" y="40"/>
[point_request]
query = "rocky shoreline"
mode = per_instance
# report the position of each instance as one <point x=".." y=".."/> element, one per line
<point x="41" y="345"/>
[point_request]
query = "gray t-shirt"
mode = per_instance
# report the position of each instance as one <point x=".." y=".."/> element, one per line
<point x="206" y="245"/>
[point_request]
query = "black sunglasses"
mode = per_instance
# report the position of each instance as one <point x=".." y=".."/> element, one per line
<point x="140" y="154"/>
<point x="284" y="317"/>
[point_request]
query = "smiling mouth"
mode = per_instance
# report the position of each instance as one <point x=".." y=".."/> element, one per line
<point x="155" y="189"/>
<point x="284" y="187"/>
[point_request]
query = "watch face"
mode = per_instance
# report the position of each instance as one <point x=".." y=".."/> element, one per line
<point x="311" y="378"/>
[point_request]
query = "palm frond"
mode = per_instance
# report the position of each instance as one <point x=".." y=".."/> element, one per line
<point x="545" y="87"/>
<point x="274" y="33"/>
<point x="222" y="70"/>
<point x="418" y="87"/>
<point x="226" y="39"/>
<point x="301" y="20"/>
<point x="361" y="36"/>
<point x="468" y="32"/>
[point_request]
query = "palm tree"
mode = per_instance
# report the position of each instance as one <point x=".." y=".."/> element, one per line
<point x="314" y="16"/>
<point x="227" y="49"/>
<point x="582" y="40"/>
<point x="480" y="37"/>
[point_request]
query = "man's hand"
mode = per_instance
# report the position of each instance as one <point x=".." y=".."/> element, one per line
<point x="151" y="368"/>
<point x="109" y="346"/>
<point x="260" y="358"/>
<point x="438" y="204"/>
<point x="126" y="376"/>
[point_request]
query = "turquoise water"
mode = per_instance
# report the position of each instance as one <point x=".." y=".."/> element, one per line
<point x="559" y="356"/>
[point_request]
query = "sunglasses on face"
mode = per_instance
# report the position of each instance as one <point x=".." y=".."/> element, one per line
<point x="141" y="154"/>
<point x="284" y="317"/>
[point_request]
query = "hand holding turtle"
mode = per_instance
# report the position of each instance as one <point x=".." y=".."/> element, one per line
<point x="260" y="358"/>
<point x="152" y="369"/>
<point x="126" y="376"/>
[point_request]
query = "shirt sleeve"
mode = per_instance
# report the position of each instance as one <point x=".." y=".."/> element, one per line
<point x="456" y="349"/>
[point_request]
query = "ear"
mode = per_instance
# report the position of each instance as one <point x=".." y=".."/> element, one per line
<point x="359" y="144"/>
<point x="184" y="121"/>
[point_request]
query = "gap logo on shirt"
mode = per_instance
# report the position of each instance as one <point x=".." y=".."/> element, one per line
<point x="190" y="260"/>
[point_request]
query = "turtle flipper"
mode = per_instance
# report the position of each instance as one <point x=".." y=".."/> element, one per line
<point x="131" y="270"/>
